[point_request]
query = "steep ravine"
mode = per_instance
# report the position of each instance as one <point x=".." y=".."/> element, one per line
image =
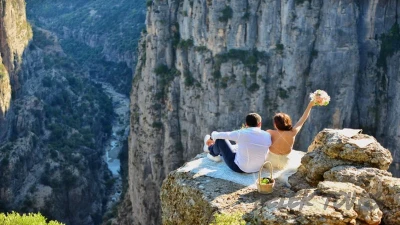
<point x="205" y="64"/>
<point x="59" y="119"/>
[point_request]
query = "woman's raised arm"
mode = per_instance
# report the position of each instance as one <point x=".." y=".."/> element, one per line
<point x="303" y="118"/>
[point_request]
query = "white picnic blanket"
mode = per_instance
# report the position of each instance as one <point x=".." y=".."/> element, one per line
<point x="204" y="167"/>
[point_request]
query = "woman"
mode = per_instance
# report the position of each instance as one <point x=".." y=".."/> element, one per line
<point x="283" y="137"/>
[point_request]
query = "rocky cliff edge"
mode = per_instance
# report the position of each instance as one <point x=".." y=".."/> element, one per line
<point x="353" y="188"/>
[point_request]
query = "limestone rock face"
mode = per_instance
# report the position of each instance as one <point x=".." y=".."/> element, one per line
<point x="204" y="65"/>
<point x="382" y="187"/>
<point x="15" y="33"/>
<point x="329" y="203"/>
<point x="332" y="148"/>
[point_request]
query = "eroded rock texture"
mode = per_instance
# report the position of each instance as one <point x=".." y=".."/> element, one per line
<point x="205" y="64"/>
<point x="329" y="203"/>
<point x="349" y="156"/>
<point x="380" y="184"/>
<point x="15" y="33"/>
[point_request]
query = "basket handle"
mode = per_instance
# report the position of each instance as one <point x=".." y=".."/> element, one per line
<point x="259" y="172"/>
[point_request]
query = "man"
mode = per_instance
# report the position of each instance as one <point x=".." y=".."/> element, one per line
<point x="252" y="144"/>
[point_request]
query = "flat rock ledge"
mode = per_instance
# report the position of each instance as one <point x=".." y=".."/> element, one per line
<point x="190" y="198"/>
<point x="340" y="189"/>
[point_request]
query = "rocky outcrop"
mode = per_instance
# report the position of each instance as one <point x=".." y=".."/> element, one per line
<point x="205" y="64"/>
<point x="332" y="148"/>
<point x="380" y="184"/>
<point x="329" y="203"/>
<point x="191" y="198"/>
<point x="349" y="156"/>
<point x="352" y="194"/>
<point x="15" y="33"/>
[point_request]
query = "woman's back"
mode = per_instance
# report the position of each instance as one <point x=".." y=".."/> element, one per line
<point x="284" y="135"/>
<point x="282" y="141"/>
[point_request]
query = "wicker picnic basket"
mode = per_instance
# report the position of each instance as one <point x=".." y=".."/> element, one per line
<point x="265" y="188"/>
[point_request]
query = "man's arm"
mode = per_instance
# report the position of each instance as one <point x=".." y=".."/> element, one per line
<point x="303" y="118"/>
<point x="233" y="136"/>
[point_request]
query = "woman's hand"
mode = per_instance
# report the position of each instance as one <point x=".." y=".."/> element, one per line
<point x="318" y="100"/>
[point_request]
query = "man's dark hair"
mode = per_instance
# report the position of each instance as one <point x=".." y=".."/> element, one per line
<point x="253" y="119"/>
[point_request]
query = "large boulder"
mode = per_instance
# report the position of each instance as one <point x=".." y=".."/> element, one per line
<point x="196" y="194"/>
<point x="380" y="184"/>
<point x="351" y="145"/>
<point x="332" y="148"/>
<point x="330" y="203"/>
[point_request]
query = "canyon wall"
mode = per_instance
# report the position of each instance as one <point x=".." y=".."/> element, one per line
<point x="205" y="64"/>
<point x="15" y="33"/>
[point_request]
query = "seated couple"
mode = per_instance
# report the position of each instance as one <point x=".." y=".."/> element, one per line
<point x="254" y="146"/>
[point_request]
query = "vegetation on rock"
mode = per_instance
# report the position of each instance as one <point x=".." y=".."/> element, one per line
<point x="25" y="219"/>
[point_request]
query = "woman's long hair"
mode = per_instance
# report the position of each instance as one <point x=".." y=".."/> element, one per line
<point x="283" y="122"/>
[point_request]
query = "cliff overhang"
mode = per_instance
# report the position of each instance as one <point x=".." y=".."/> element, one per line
<point x="355" y="188"/>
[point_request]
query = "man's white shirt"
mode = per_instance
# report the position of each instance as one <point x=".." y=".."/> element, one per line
<point x="252" y="147"/>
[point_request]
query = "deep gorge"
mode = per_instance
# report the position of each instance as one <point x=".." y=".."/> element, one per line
<point x="59" y="120"/>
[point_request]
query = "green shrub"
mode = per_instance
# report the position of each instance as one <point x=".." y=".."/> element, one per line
<point x="224" y="82"/>
<point x="283" y="93"/>
<point x="300" y="2"/>
<point x="165" y="76"/>
<point x="185" y="44"/>
<point x="41" y="40"/>
<point x="216" y="74"/>
<point x="157" y="124"/>
<point x="201" y="48"/>
<point x="246" y="16"/>
<point x="227" y="13"/>
<point x="189" y="79"/>
<point x="249" y="58"/>
<point x="390" y="43"/>
<point x="253" y="87"/>
<point x="279" y="48"/>
<point x="161" y="69"/>
<point x="14" y="218"/>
